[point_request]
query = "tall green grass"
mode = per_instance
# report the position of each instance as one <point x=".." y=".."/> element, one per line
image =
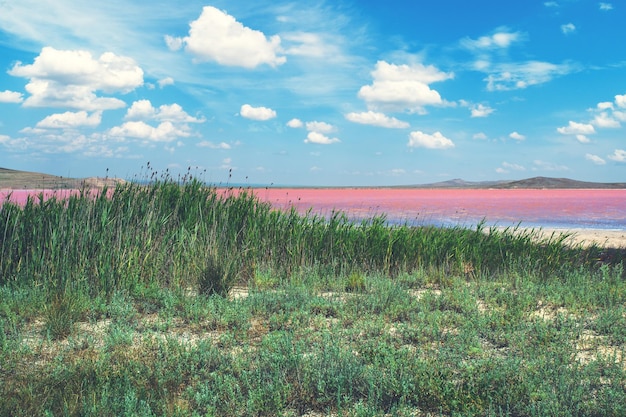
<point x="190" y="235"/>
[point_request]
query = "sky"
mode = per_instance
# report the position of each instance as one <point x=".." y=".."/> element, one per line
<point x="315" y="93"/>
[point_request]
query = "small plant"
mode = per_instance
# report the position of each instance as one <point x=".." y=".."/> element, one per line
<point x="355" y="282"/>
<point x="217" y="277"/>
<point x="61" y="314"/>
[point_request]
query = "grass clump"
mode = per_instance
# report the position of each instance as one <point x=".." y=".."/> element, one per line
<point x="122" y="303"/>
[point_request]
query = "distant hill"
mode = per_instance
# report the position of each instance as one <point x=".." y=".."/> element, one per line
<point x="458" y="183"/>
<point x="535" y="182"/>
<point x="13" y="179"/>
<point x="547" y="182"/>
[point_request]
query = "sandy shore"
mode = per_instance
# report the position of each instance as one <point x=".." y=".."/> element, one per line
<point x="587" y="237"/>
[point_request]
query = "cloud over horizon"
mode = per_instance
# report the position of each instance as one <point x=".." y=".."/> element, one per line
<point x="219" y="37"/>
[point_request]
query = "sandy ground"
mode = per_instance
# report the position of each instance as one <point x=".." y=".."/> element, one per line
<point x="587" y="237"/>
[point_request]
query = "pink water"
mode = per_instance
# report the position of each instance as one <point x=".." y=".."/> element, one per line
<point x="597" y="209"/>
<point x="591" y="208"/>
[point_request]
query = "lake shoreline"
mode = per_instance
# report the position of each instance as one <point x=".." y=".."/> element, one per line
<point x="322" y="202"/>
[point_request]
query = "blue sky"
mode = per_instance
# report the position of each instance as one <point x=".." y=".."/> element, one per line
<point x="317" y="92"/>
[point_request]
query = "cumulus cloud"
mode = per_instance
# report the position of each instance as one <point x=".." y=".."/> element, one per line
<point x="620" y="100"/>
<point x="320" y="138"/>
<point x="568" y="28"/>
<point x="70" y="78"/>
<point x="164" y="132"/>
<point x="619" y="155"/>
<point x="620" y="115"/>
<point x="551" y="4"/>
<point x="165" y="82"/>
<point x="420" y="139"/>
<point x="295" y="123"/>
<point x="515" y="167"/>
<point x="502" y="39"/>
<point x="211" y="145"/>
<point x="403" y="87"/>
<point x="69" y="120"/>
<point x="517" y="136"/>
<point x="143" y="110"/>
<point x="56" y="141"/>
<point x="514" y="76"/>
<point x="320" y="127"/>
<point x="480" y="110"/>
<point x="606" y="6"/>
<point x="507" y="167"/>
<point x="480" y="136"/>
<point x="219" y="37"/>
<point x="311" y="45"/>
<point x="582" y="139"/>
<point x="574" y="128"/>
<point x="257" y="113"/>
<point x="376" y="119"/>
<point x="603" y="120"/>
<point x="7" y="96"/>
<point x="595" y="159"/>
<point x="548" y="166"/>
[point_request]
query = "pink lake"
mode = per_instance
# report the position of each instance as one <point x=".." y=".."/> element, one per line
<point x="588" y="208"/>
<point x="560" y="208"/>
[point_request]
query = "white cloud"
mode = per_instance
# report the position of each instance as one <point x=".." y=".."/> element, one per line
<point x="605" y="121"/>
<point x="217" y="36"/>
<point x="143" y="110"/>
<point x="70" y="120"/>
<point x="574" y="128"/>
<point x="420" y="139"/>
<point x="517" y="136"/>
<point x="376" y="119"/>
<point x="257" y="113"/>
<point x="502" y="39"/>
<point x="7" y="96"/>
<point x="606" y="6"/>
<point x="605" y="105"/>
<point x="480" y="136"/>
<point x="514" y="76"/>
<point x="320" y="127"/>
<point x="568" y="28"/>
<point x="70" y="78"/>
<point x="480" y="110"/>
<point x="595" y="159"/>
<point x="619" y="155"/>
<point x="551" y="4"/>
<point x="174" y="44"/>
<point x="620" y="100"/>
<point x="548" y="166"/>
<point x="515" y="167"/>
<point x="403" y="87"/>
<point x="310" y="45"/>
<point x="211" y="145"/>
<point x="508" y="167"/>
<point x="319" y="138"/>
<point x="175" y="113"/>
<point x="164" y="132"/>
<point x="56" y="141"/>
<point x="295" y="123"/>
<point x="582" y="139"/>
<point x="165" y="82"/>
<point x="620" y="115"/>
